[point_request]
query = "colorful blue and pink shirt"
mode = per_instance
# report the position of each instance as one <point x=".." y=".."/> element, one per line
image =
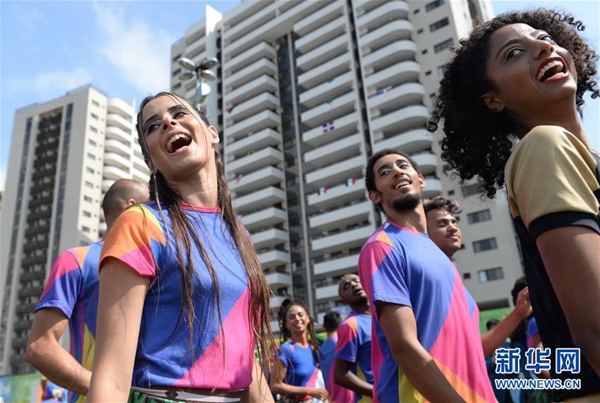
<point x="301" y="365"/>
<point x="402" y="267"/>
<point x="354" y="345"/>
<point x="72" y="287"/>
<point x="219" y="354"/>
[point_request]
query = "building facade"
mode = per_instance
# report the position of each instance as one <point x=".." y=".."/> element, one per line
<point x="64" y="156"/>
<point x="306" y="91"/>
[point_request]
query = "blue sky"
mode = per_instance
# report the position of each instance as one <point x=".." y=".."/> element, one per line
<point x="123" y="48"/>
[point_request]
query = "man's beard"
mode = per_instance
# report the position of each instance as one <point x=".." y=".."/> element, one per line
<point x="406" y="203"/>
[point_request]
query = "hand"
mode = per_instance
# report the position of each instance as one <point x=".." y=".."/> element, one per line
<point x="523" y="304"/>
<point x="319" y="393"/>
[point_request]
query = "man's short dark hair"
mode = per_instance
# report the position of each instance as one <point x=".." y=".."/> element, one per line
<point x="332" y="321"/>
<point x="441" y="203"/>
<point x="370" y="175"/>
<point x="492" y="322"/>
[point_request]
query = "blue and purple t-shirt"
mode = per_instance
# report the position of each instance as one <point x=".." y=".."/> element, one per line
<point x="214" y="357"/>
<point x="301" y="365"/>
<point x="354" y="345"/>
<point x="72" y="287"/>
<point x="402" y="267"/>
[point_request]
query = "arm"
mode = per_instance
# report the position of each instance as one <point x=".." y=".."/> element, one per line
<point x="50" y="358"/>
<point x="279" y="386"/>
<point x="344" y="376"/>
<point x="536" y="342"/>
<point x="122" y="294"/>
<point x="259" y="388"/>
<point x="494" y="338"/>
<point x="572" y="260"/>
<point x="400" y="329"/>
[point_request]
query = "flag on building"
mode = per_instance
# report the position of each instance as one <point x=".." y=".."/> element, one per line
<point x="322" y="191"/>
<point x="384" y="90"/>
<point x="328" y="126"/>
<point x="330" y="81"/>
<point x="328" y="103"/>
<point x="350" y="182"/>
<point x="230" y="108"/>
<point x="239" y="178"/>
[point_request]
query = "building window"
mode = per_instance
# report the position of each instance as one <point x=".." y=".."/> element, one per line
<point x="439" y="24"/>
<point x="442" y="46"/>
<point x="93" y="129"/>
<point x="87" y="214"/>
<point x="89" y="184"/>
<point x="95" y="103"/>
<point x="433" y="5"/>
<point x="91" y="156"/>
<point x="428" y="73"/>
<point x="175" y="58"/>
<point x="479" y="216"/>
<point x="92" y="142"/>
<point x="85" y="229"/>
<point x="89" y="170"/>
<point x="490" y="275"/>
<point x="424" y="51"/>
<point x="451" y="193"/>
<point x="441" y="70"/>
<point x="94" y="116"/>
<point x="473" y="189"/>
<point x="87" y="199"/>
<point x="176" y="72"/>
<point x="484" y="244"/>
<point x="417" y="11"/>
<point x="176" y="86"/>
<point x="420" y="31"/>
<point x="466" y="276"/>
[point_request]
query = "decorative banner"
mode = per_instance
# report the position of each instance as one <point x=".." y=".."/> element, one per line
<point x="383" y="91"/>
<point x="350" y="182"/>
<point x="322" y="191"/>
<point x="328" y="126"/>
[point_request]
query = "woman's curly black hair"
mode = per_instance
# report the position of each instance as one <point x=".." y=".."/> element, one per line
<point x="476" y="141"/>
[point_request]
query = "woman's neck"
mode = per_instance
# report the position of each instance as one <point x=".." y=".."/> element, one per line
<point x="300" y="339"/>
<point x="200" y="191"/>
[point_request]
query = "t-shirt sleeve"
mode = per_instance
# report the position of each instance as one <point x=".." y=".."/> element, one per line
<point x="131" y="240"/>
<point x="346" y="348"/>
<point x="551" y="181"/>
<point x="64" y="284"/>
<point x="385" y="273"/>
<point x="285" y="354"/>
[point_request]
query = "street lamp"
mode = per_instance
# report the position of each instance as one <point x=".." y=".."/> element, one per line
<point x="202" y="73"/>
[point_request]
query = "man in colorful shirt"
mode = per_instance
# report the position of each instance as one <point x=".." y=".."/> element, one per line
<point x="353" y="351"/>
<point x="71" y="297"/>
<point x="426" y="343"/>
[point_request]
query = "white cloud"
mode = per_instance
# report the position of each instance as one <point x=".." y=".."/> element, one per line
<point x="49" y="84"/>
<point x="29" y="17"/>
<point x="139" y="51"/>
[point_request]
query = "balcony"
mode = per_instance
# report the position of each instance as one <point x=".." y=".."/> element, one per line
<point x="411" y="141"/>
<point x="396" y="99"/>
<point x="354" y="238"/>
<point x="344" y="126"/>
<point x="256" y="141"/>
<point x="116" y="146"/>
<point x="115" y="159"/>
<point x="433" y="188"/>
<point x="116" y="133"/>
<point x="400" y="121"/>
<point x="256" y="69"/>
<point x="328" y="111"/>
<point x="106" y="184"/>
<point x="395" y="75"/>
<point x="328" y="90"/>
<point x="264" y="218"/>
<point x="427" y="162"/>
<point x="384" y="35"/>
<point x="252" y="107"/>
<point x="274" y="323"/>
<point x="337" y="173"/>
<point x="195" y="48"/>
<point x="112" y="119"/>
<point x="119" y="107"/>
<point x="316" y="20"/>
<point x="114" y="173"/>
<point x="394" y="53"/>
<point x="270" y="238"/>
<point x="263" y="120"/>
<point x="323" y="34"/>
<point x="276" y="301"/>
<point x="259" y="200"/>
<point x="275" y="258"/>
<point x="250" y="90"/>
<point x="278" y="279"/>
<point x="338" y="195"/>
<point x="256" y="180"/>
<point x="139" y="176"/>
<point x="266" y="156"/>
<point x="327" y="292"/>
<point x="343" y="217"/>
<point x="323" y="53"/>
<point x="335" y="266"/>
<point x="195" y="32"/>
<point x="392" y="10"/>
<point x="256" y="52"/>
<point x="250" y="24"/>
<point x="326" y="71"/>
<point x="335" y="151"/>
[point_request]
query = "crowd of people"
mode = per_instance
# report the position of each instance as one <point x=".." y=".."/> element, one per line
<point x="173" y="305"/>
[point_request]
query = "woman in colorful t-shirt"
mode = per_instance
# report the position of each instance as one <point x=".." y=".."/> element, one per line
<point x="183" y="299"/>
<point x="296" y="374"/>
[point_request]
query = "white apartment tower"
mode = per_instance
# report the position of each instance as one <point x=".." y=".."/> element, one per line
<point x="306" y="92"/>
<point x="64" y="156"/>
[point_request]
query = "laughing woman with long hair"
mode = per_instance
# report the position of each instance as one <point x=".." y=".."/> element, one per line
<point x="183" y="299"/>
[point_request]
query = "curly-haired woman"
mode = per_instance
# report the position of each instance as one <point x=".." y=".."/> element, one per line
<point x="524" y="75"/>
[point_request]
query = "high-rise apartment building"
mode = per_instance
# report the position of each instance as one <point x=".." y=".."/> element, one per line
<point x="306" y="91"/>
<point x="64" y="156"/>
